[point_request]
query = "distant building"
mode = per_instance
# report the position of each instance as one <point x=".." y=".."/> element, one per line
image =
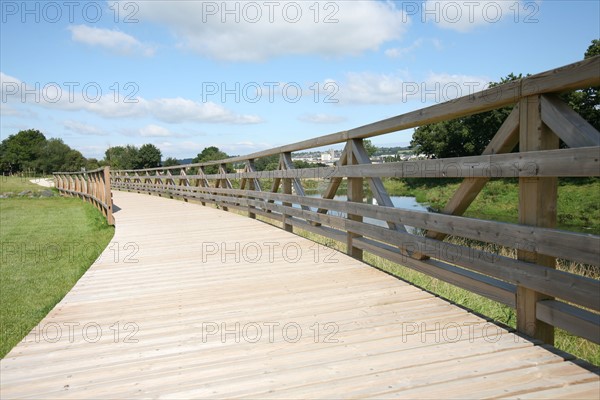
<point x="325" y="157"/>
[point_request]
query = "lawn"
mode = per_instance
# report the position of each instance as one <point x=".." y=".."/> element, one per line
<point x="46" y="244"/>
<point x="17" y="184"/>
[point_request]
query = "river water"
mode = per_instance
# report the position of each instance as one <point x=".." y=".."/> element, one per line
<point x="409" y="203"/>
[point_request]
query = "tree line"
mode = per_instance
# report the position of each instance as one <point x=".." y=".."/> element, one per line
<point x="469" y="136"/>
<point x="29" y="151"/>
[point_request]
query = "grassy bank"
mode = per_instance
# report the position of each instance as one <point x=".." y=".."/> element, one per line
<point x="578" y="200"/>
<point x="46" y="245"/>
<point x="16" y="184"/>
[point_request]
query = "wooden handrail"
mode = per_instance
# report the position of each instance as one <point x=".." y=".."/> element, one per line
<point x="91" y="186"/>
<point x="538" y="120"/>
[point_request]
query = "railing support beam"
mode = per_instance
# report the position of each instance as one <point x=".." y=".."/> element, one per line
<point x="287" y="189"/>
<point x="355" y="195"/>
<point x="537" y="207"/>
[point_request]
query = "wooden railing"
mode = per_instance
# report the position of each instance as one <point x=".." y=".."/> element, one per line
<point x="543" y="296"/>
<point x="92" y="186"/>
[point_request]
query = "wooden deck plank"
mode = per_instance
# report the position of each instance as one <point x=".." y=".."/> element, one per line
<point x="576" y="391"/>
<point x="391" y="339"/>
<point x="506" y="383"/>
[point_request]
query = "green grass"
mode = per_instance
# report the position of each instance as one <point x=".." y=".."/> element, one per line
<point x="46" y="245"/>
<point x="578" y="200"/>
<point x="17" y="184"/>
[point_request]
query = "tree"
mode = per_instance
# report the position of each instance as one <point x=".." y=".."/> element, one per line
<point x="55" y="155"/>
<point x="20" y="152"/>
<point x="30" y="151"/>
<point x="470" y="135"/>
<point x="465" y="136"/>
<point x="300" y="164"/>
<point x="92" y="164"/>
<point x="212" y="153"/>
<point x="73" y="161"/>
<point x="148" y="156"/>
<point x="268" y="163"/>
<point x="115" y="157"/>
<point x="587" y="101"/>
<point x="170" y="162"/>
<point x="370" y="147"/>
<point x="122" y="157"/>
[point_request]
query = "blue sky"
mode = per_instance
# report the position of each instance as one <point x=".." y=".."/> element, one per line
<point x="246" y="76"/>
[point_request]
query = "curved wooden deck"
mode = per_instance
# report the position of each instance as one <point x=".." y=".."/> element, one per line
<point x="264" y="314"/>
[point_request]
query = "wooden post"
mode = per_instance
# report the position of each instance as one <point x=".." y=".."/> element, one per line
<point x="202" y="182"/>
<point x="169" y="181"/>
<point x="137" y="180"/>
<point x="355" y="194"/>
<point x="252" y="185"/>
<point x="223" y="182"/>
<point x="108" y="197"/>
<point x="334" y="183"/>
<point x="287" y="189"/>
<point x="83" y="188"/>
<point x="537" y="207"/>
<point x="80" y="186"/>
<point x="97" y="185"/>
<point x="184" y="182"/>
<point x="75" y="185"/>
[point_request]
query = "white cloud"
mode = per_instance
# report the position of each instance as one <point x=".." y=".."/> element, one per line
<point x="399" y="52"/>
<point x="83" y="129"/>
<point x="90" y="150"/>
<point x="176" y="110"/>
<point x="402" y="52"/>
<point x="112" y="40"/>
<point x="155" y="131"/>
<point x="181" y="149"/>
<point x="170" y="110"/>
<point x="8" y="111"/>
<point x="437" y="43"/>
<point x="371" y="88"/>
<point x="108" y="108"/>
<point x="321" y="118"/>
<point x="256" y="31"/>
<point x="10" y="87"/>
<point x="464" y="16"/>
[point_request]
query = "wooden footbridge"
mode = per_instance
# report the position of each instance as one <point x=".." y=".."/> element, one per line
<point x="194" y="302"/>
